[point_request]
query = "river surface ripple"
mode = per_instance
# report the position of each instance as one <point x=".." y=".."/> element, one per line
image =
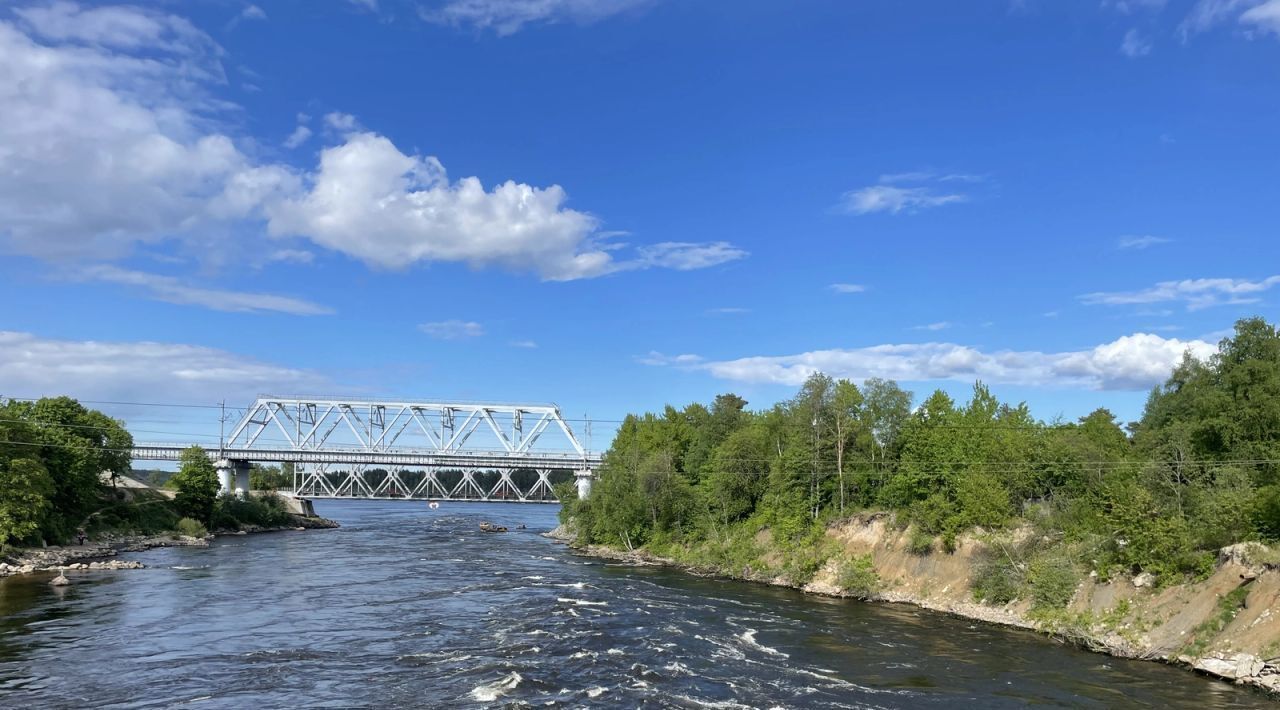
<point x="410" y="607"/>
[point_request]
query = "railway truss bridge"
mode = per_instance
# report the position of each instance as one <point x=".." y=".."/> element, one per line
<point x="385" y="449"/>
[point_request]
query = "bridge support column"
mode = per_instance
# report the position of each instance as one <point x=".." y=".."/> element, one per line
<point x="233" y="476"/>
<point x="583" y="478"/>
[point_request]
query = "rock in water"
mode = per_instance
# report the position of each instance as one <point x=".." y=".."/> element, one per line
<point x="60" y="581"/>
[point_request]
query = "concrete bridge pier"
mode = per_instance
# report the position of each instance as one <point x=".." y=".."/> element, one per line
<point x="583" y="478"/>
<point x="233" y="476"/>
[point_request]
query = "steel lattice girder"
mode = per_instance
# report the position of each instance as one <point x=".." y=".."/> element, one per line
<point x="379" y="426"/>
<point x="355" y="483"/>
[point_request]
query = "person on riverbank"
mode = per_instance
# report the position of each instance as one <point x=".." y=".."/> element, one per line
<point x="81" y="536"/>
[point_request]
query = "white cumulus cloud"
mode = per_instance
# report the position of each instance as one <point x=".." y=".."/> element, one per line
<point x="1132" y="362"/>
<point x="112" y="137"/>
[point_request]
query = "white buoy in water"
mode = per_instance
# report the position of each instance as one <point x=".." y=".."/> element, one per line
<point x="433" y="505"/>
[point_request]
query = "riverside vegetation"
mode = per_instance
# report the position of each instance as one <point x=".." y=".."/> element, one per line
<point x="59" y="466"/>
<point x="1148" y="539"/>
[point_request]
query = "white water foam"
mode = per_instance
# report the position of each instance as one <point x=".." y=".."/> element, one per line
<point x="677" y="667"/>
<point x="595" y="692"/>
<point x="497" y="689"/>
<point x="712" y="703"/>
<point x="580" y="602"/>
<point x="614" y="652"/>
<point x="749" y="638"/>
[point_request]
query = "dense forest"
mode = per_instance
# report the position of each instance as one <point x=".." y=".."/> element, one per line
<point x="1199" y="471"/>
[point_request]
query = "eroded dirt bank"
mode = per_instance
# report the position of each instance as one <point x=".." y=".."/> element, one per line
<point x="1226" y="625"/>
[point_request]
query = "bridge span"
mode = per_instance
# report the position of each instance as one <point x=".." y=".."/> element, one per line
<point x="363" y="448"/>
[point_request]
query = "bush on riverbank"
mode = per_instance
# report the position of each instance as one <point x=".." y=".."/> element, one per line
<point x="191" y="528"/>
<point x="1195" y="474"/>
<point x="232" y="512"/>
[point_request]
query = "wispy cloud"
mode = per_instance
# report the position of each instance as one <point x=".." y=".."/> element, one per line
<point x="173" y="290"/>
<point x="1142" y="242"/>
<point x="1253" y="15"/>
<point x="1195" y="293"/>
<point x="685" y="256"/>
<point x="527" y="344"/>
<point x="250" y="12"/>
<point x="908" y="192"/>
<point x="847" y="288"/>
<point x="506" y="17"/>
<point x="292" y="256"/>
<point x="895" y="200"/>
<point x="1132" y="362"/>
<point x="1132" y="6"/>
<point x="1135" y="44"/>
<point x="658" y="359"/>
<point x="140" y="371"/>
<point x="729" y="311"/>
<point x="452" y="329"/>
<point x="940" y="325"/>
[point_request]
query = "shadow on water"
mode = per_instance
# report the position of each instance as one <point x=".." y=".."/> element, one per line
<point x="407" y="606"/>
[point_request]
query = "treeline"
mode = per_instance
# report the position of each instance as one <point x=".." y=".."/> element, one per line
<point x="54" y="454"/>
<point x="60" y="461"/>
<point x="1200" y="470"/>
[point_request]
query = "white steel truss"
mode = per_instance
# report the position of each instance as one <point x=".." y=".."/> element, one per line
<point x="360" y="482"/>
<point x="427" y="450"/>
<point x="379" y="426"/>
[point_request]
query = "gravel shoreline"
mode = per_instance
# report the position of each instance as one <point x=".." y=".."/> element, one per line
<point x="97" y="554"/>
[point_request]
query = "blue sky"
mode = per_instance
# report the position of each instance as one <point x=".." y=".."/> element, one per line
<point x="615" y="204"/>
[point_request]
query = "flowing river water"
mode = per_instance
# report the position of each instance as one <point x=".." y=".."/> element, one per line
<point x="410" y="607"/>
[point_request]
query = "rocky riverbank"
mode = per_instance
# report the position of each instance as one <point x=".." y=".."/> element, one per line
<point x="96" y="554"/>
<point x="1226" y="625"/>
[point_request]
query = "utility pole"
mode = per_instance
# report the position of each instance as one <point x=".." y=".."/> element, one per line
<point x="222" y="428"/>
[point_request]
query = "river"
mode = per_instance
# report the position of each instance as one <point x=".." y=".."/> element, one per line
<point x="410" y="607"/>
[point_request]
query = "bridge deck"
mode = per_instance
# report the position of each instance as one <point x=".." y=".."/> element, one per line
<point x="400" y="457"/>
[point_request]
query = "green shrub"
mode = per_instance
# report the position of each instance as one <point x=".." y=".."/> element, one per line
<point x="803" y="557"/>
<point x="1266" y="512"/>
<point x="1053" y="581"/>
<point x="148" y="513"/>
<point x="998" y="579"/>
<point x="230" y="512"/>
<point x="858" y="576"/>
<point x="920" y="542"/>
<point x="191" y="528"/>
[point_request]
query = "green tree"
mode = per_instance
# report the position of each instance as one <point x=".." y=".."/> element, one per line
<point x="77" y="447"/>
<point x="846" y="419"/>
<point x="197" y="486"/>
<point x="25" y="492"/>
